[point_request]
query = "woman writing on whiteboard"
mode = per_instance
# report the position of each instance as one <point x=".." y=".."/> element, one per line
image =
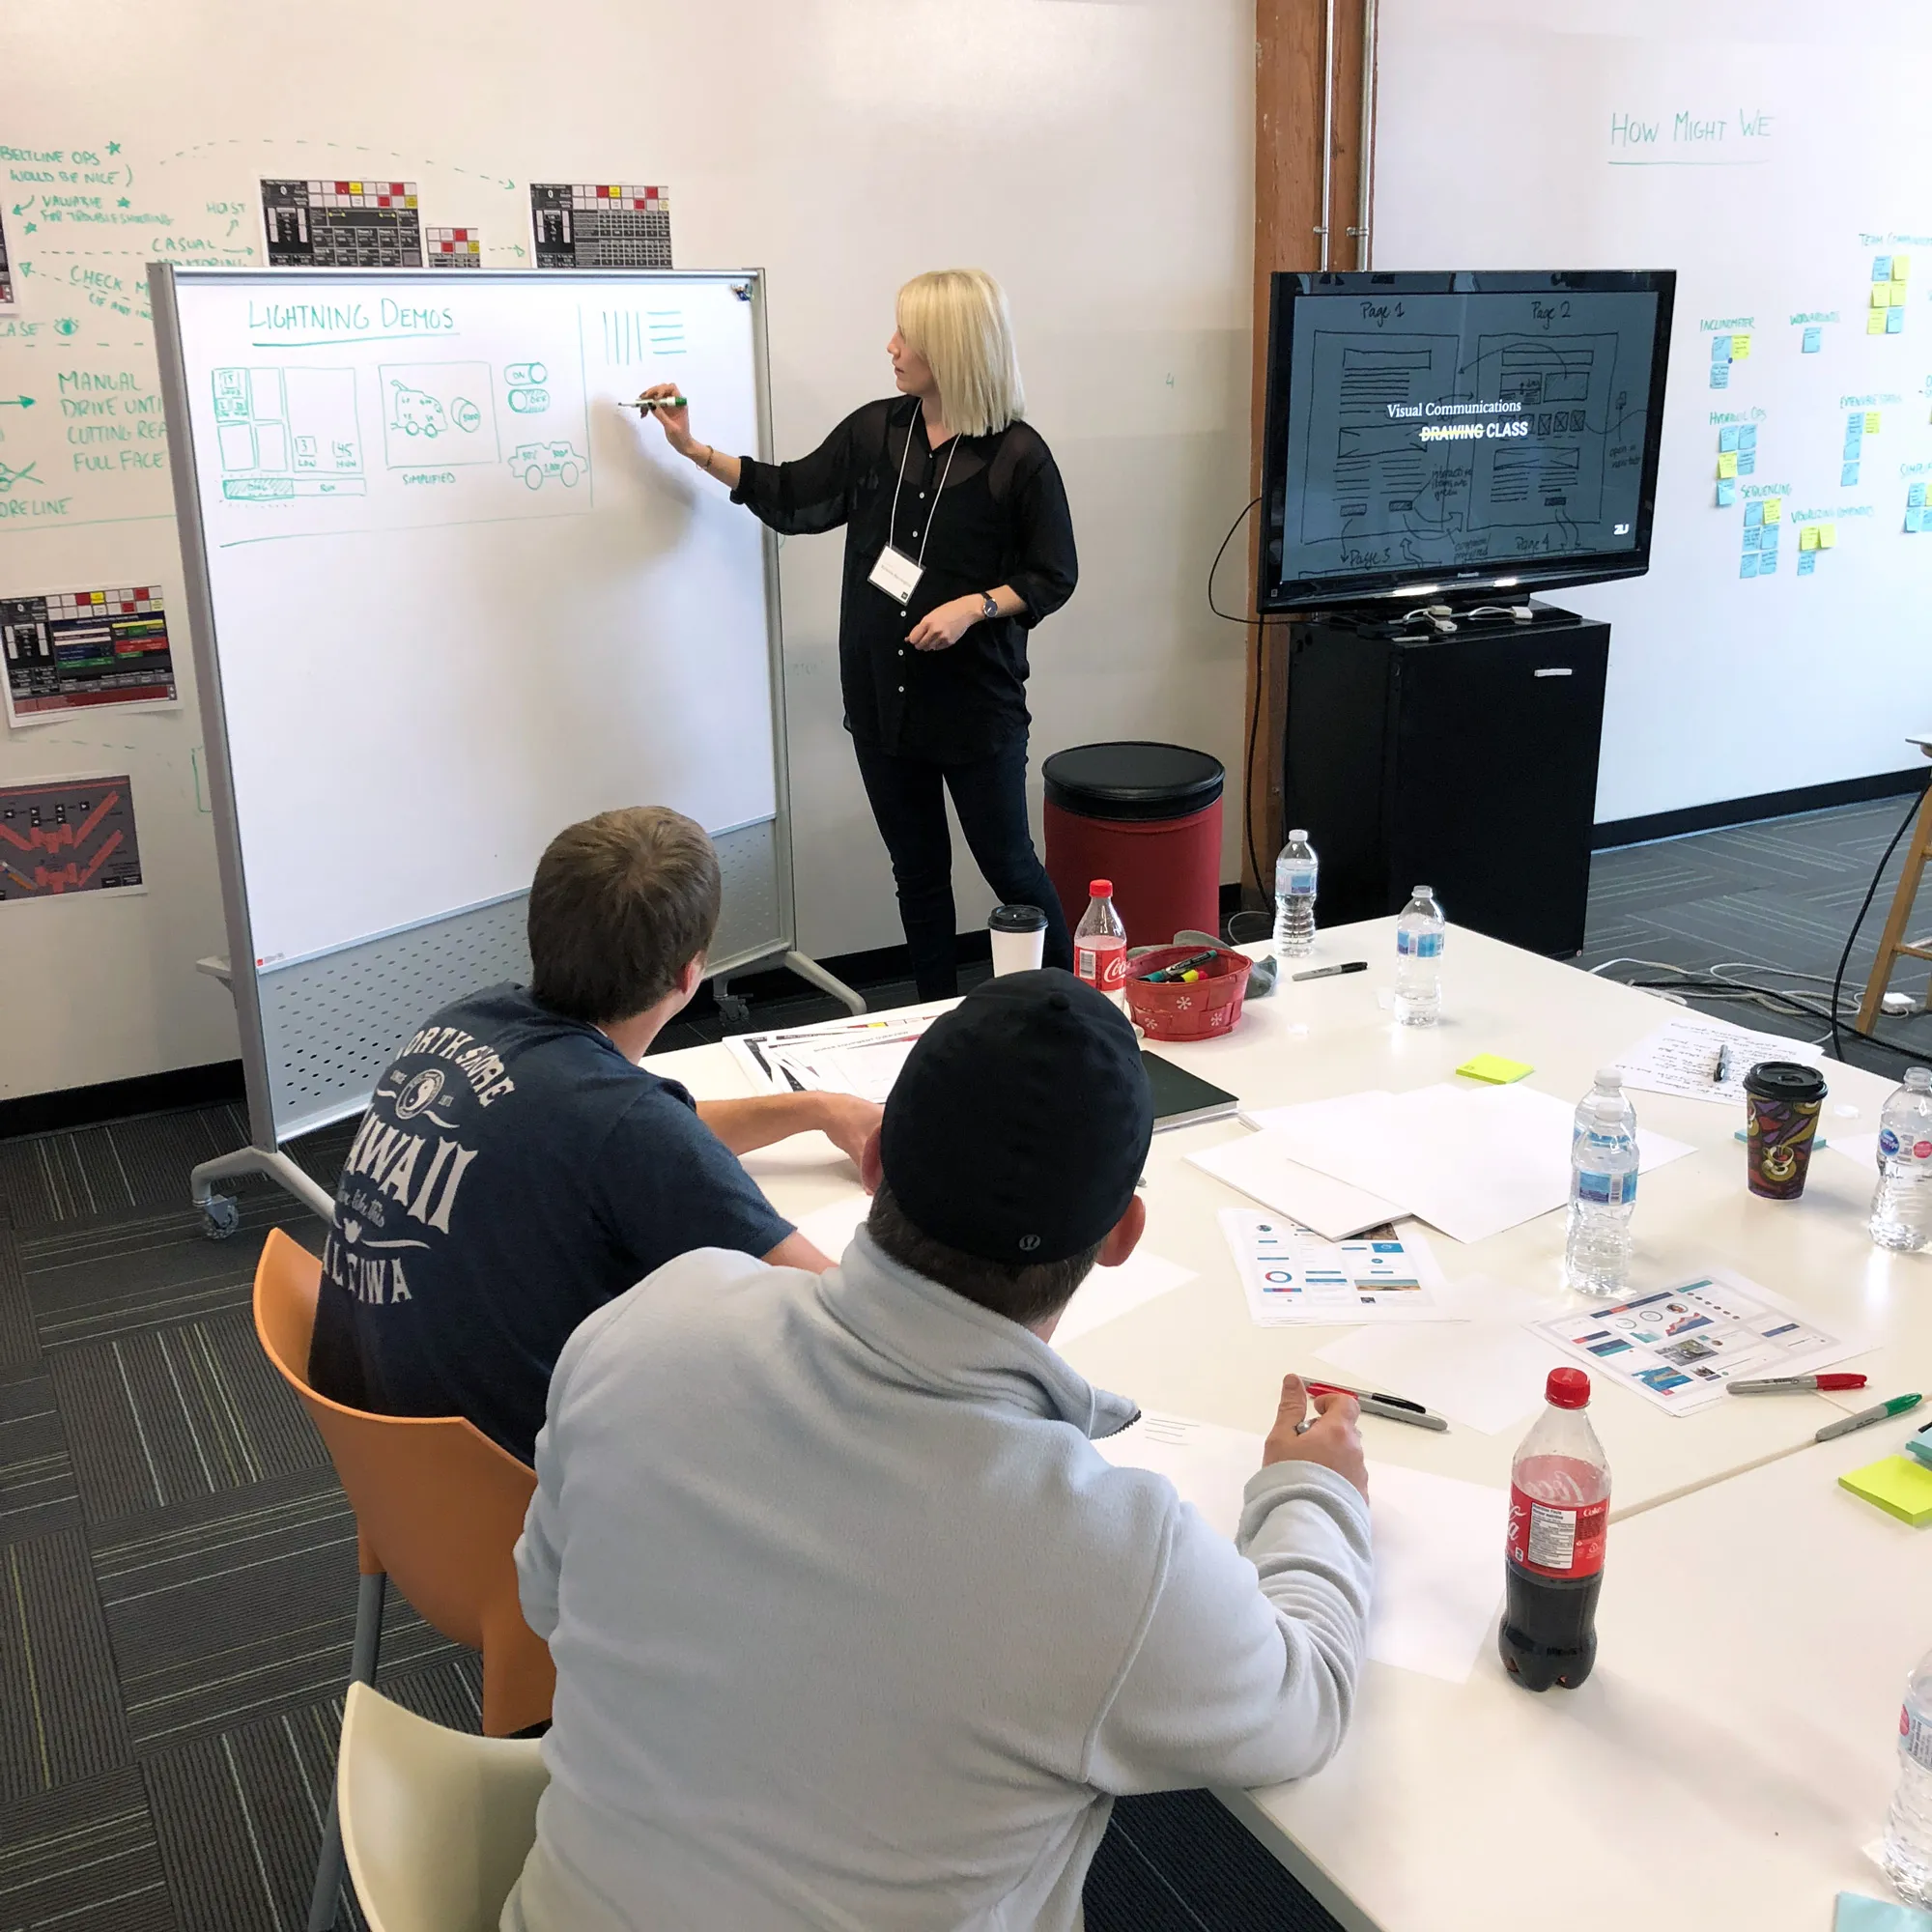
<point x="957" y="542"/>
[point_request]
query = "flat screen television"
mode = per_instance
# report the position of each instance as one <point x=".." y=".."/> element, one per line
<point x="1436" y="437"/>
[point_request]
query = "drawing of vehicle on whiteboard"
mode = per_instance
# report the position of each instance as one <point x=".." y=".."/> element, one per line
<point x="437" y="412"/>
<point x="536" y="463"/>
<point x="415" y="412"/>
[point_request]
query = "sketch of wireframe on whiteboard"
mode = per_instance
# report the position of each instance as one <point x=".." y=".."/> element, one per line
<point x="287" y="432"/>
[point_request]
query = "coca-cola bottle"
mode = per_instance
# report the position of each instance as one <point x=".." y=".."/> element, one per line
<point x="1100" y="941"/>
<point x="1558" y="1515"/>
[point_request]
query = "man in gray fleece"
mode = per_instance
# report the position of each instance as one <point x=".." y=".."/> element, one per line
<point x="854" y="1628"/>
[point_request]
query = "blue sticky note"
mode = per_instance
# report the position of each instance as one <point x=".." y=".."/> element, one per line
<point x="1752" y="535"/>
<point x="1753" y="514"/>
<point x="1727" y="438"/>
<point x="1881" y="268"/>
<point x="1814" y="340"/>
<point x="1915" y="521"/>
<point x="1895" y="322"/>
<point x="1748" y="567"/>
<point x="1808" y="562"/>
<point x="1721" y="375"/>
<point x="1720" y="345"/>
<point x="1915" y="494"/>
<point x="1856" y="1913"/>
<point x="1848" y="476"/>
<point x="1747" y="437"/>
<point x="1727" y="493"/>
<point x="1767" y="563"/>
<point x="1768" y="537"/>
<point x="1747" y="462"/>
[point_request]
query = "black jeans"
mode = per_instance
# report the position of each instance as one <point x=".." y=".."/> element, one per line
<point x="989" y="795"/>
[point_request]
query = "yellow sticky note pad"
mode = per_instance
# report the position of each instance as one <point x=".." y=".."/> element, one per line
<point x="1897" y="1485"/>
<point x="1872" y="422"/>
<point x="1495" y="1069"/>
<point x="1901" y="267"/>
<point x="1774" y="509"/>
<point x="1880" y="295"/>
<point x="1827" y="536"/>
<point x="1728" y="463"/>
<point x="1808" y="537"/>
<point x="1741" y="349"/>
<point x="1874" y="324"/>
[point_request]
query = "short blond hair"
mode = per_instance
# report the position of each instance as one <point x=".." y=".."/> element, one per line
<point x="957" y="320"/>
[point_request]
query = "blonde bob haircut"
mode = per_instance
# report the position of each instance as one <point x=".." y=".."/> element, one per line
<point x="957" y="320"/>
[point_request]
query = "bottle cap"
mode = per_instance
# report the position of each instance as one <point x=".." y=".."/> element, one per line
<point x="1918" y="1078"/>
<point x="1423" y="892"/>
<point x="1610" y="1079"/>
<point x="1567" y="1388"/>
<point x="1299" y="835"/>
<point x="1100" y="888"/>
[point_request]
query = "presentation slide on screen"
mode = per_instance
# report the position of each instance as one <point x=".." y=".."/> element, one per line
<point x="1463" y="430"/>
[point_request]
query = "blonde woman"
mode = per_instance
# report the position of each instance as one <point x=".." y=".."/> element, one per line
<point x="957" y="542"/>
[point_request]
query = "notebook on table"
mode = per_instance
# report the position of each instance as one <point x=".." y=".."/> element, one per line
<point x="1183" y="1100"/>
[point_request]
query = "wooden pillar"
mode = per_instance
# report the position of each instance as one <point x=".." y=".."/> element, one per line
<point x="1294" y="97"/>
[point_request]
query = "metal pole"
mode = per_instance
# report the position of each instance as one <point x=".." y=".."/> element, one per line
<point x="1327" y="128"/>
<point x="1366" y="159"/>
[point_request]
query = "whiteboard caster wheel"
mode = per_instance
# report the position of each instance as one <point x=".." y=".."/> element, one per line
<point x="220" y="1216"/>
<point x="734" y="1007"/>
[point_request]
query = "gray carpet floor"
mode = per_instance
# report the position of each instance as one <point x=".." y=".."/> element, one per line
<point x="177" y="1562"/>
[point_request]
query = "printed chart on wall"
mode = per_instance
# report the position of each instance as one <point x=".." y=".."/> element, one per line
<point x="430" y="487"/>
<point x="82" y="650"/>
<point x="1794" y="532"/>
<point x="64" y="835"/>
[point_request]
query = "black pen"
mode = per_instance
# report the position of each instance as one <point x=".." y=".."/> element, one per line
<point x="1329" y="972"/>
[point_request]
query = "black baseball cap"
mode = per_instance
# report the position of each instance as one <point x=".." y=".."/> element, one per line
<point x="1019" y="1124"/>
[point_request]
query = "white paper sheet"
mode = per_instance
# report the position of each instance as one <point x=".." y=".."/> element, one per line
<point x="1260" y="1166"/>
<point x="1681" y="1057"/>
<point x="1486" y="1371"/>
<point x="1293" y="1277"/>
<point x="1678" y="1346"/>
<point x="1108" y="1294"/>
<point x="1438" y="1542"/>
<point x="860" y="1053"/>
<point x="1469" y="1161"/>
<point x="830" y="1229"/>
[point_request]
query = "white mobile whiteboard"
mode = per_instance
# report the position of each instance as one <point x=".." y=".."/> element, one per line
<point x="450" y="596"/>
<point x="459" y="598"/>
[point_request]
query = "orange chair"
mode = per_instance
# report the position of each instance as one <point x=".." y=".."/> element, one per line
<point x="438" y="1506"/>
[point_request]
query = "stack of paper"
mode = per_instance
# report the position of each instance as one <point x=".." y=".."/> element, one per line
<point x="1438" y="1542"/>
<point x="1706" y="1059"/>
<point x="1292" y="1276"/>
<point x="1470" y="1163"/>
<point x="1261" y="1168"/>
<point x="860" y="1055"/>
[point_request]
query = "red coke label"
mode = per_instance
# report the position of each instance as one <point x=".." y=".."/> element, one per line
<point x="1101" y="960"/>
<point x="1557" y="1539"/>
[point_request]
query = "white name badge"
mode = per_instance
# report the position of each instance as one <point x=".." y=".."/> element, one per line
<point x="896" y="573"/>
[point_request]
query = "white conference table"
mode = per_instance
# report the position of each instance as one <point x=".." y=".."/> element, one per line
<point x="1383" y="1861"/>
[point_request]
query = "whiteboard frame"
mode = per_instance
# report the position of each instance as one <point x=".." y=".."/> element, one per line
<point x="272" y="1118"/>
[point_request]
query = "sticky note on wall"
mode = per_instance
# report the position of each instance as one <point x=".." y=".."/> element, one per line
<point x="1881" y="296"/>
<point x="1727" y="495"/>
<point x="1872" y="422"/>
<point x="1727" y="438"/>
<point x="1739" y="347"/>
<point x="1814" y="341"/>
<point x="1808" y="537"/>
<point x="1875" y="323"/>
<point x="1774" y="509"/>
<point x="1902" y="267"/>
<point x="1721" y="349"/>
<point x="1827" y="536"/>
<point x="1727" y="462"/>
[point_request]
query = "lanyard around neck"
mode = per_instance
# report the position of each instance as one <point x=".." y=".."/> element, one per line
<point x="893" y="529"/>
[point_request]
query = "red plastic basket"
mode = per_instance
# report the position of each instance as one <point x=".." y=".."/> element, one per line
<point x="1208" y="1007"/>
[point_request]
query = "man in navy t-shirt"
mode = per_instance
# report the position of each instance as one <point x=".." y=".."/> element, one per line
<point x="517" y="1168"/>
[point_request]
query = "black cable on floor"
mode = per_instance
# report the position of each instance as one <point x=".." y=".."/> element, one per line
<point x="1255" y="721"/>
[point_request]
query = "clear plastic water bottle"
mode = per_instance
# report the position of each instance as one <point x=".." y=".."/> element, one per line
<point x="1603" y="1191"/>
<point x="1906" y="1851"/>
<point x="1901" y="1209"/>
<point x="1100" y="941"/>
<point x="1418" y="959"/>
<point x="1294" y="875"/>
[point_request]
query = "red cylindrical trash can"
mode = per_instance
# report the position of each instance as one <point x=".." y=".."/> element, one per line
<point x="1147" y="816"/>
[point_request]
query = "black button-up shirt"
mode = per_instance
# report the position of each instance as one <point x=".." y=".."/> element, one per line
<point x="1002" y="519"/>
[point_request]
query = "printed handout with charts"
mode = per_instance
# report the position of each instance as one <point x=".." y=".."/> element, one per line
<point x="1678" y="1346"/>
<point x="1294" y="1277"/>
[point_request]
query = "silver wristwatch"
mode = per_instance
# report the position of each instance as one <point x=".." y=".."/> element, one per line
<point x="989" y="605"/>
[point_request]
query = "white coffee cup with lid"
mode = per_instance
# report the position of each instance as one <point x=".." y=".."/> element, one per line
<point x="1019" y="938"/>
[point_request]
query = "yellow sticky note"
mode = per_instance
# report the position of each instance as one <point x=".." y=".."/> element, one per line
<point x="1495" y="1069"/>
<point x="1808" y="537"/>
<point x="1901" y="267"/>
<point x="1897" y="1485"/>
<point x="1728" y="463"/>
<point x="1739" y="347"/>
<point x="1774" y="509"/>
<point x="1874" y="324"/>
<point x="1880" y="295"/>
<point x="1827" y="536"/>
<point x="1872" y="422"/>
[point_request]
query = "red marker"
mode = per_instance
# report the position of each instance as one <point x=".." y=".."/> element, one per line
<point x="1797" y="1384"/>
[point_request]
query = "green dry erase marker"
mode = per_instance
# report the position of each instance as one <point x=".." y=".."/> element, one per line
<point x="645" y="403"/>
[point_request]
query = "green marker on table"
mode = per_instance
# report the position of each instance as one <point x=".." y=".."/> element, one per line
<point x="1880" y="1412"/>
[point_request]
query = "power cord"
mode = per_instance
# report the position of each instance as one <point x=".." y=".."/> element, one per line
<point x="1254" y="720"/>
